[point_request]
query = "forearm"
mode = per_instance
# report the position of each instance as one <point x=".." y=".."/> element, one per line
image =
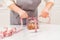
<point x="49" y="5"/>
<point x="15" y="8"/>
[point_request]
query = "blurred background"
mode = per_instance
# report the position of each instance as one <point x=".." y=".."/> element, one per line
<point x="54" y="13"/>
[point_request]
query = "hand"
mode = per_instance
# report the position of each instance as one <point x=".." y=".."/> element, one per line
<point x="44" y="13"/>
<point x="23" y="14"/>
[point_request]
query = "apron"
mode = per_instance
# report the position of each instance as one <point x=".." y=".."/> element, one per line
<point x="30" y="6"/>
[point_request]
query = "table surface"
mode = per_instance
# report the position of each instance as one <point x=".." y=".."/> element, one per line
<point x="45" y="32"/>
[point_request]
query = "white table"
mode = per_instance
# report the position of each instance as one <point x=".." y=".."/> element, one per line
<point x="46" y="32"/>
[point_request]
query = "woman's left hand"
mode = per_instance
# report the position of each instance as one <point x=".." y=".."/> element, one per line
<point x="44" y="13"/>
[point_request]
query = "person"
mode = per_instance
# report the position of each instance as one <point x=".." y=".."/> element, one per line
<point x="25" y="9"/>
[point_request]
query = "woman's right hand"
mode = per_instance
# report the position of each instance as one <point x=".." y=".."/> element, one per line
<point x="23" y="14"/>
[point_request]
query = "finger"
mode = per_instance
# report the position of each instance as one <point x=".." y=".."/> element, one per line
<point x="44" y="15"/>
